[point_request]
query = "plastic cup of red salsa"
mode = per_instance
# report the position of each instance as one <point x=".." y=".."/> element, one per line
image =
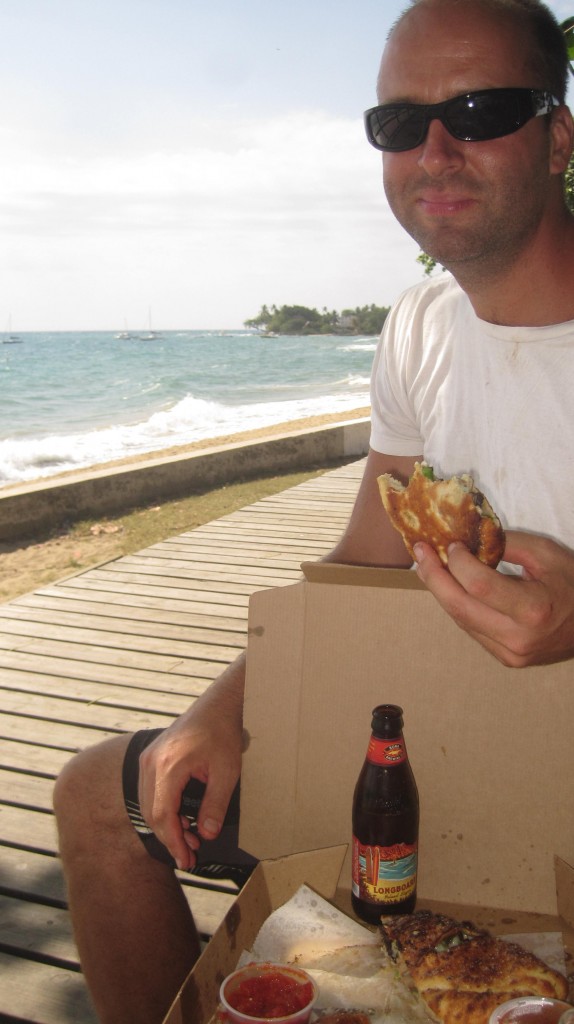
<point x="530" y="1010"/>
<point x="268" y="992"/>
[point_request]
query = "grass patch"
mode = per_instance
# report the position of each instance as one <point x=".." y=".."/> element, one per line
<point x="29" y="566"/>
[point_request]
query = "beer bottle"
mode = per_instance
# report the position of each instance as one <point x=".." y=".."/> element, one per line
<point x="385" y="823"/>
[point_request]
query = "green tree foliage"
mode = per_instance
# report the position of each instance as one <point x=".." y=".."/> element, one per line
<point x="303" y="320"/>
<point x="570" y="185"/>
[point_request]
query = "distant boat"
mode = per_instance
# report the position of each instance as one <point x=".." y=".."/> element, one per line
<point x="125" y="335"/>
<point x="150" y="335"/>
<point x="9" y="338"/>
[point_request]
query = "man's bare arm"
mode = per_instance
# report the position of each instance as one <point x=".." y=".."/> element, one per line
<point x="205" y="742"/>
<point x="370" y="538"/>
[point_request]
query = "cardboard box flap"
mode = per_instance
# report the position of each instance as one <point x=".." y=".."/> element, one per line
<point x="491" y="747"/>
<point x="565" y="891"/>
<point x="360" y="576"/>
<point x="271" y="884"/>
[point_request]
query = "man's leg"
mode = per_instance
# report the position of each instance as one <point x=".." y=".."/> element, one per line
<point x="134" y="931"/>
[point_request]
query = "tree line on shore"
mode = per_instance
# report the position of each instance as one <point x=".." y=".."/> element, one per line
<point x="303" y="320"/>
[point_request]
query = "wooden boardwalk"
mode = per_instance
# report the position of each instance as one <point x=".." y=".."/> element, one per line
<point x="119" y="647"/>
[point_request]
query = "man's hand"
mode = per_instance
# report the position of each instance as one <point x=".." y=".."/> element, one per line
<point x="204" y="743"/>
<point x="522" y="620"/>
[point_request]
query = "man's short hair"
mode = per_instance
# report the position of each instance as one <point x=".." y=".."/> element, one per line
<point x="549" y="57"/>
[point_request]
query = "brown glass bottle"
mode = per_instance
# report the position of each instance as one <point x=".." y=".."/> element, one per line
<point x="385" y="823"/>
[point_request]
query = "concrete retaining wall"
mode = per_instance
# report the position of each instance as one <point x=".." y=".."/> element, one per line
<point x="37" y="509"/>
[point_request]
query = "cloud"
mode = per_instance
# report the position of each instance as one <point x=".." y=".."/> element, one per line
<point x="289" y="209"/>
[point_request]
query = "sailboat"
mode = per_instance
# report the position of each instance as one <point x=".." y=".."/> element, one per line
<point x="150" y="335"/>
<point x="9" y="337"/>
<point x="125" y="335"/>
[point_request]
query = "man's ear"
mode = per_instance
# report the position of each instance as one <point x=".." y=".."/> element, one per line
<point x="562" y="139"/>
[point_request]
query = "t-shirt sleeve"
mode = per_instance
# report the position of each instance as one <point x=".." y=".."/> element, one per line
<point x="394" y="430"/>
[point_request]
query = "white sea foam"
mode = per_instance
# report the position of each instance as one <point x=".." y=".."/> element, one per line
<point x="190" y="419"/>
<point x="367" y="345"/>
<point x="71" y="401"/>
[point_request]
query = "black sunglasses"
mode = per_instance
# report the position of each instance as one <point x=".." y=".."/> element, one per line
<point x="473" y="117"/>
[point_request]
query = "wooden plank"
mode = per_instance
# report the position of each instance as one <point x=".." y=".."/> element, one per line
<point x="178" y="586"/>
<point x="118" y="601"/>
<point x="35" y="830"/>
<point x="27" y="790"/>
<point x="93" y="714"/>
<point x="276" y="523"/>
<point x="242" y="523"/>
<point x="188" y="566"/>
<point x="291" y="522"/>
<point x="140" y="678"/>
<point x="237" y="543"/>
<point x="42" y="993"/>
<point x="237" y="540"/>
<point x="44" y="930"/>
<point x="71" y="611"/>
<point x="168" y="596"/>
<point x="93" y="634"/>
<point x="176" y="572"/>
<point x="33" y="875"/>
<point x="53" y="734"/>
<point x="277" y="561"/>
<point x="117" y="656"/>
<point x="17" y="753"/>
<point x="92" y="692"/>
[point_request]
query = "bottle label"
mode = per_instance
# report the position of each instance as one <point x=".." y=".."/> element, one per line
<point x="387" y="752"/>
<point x="384" y="874"/>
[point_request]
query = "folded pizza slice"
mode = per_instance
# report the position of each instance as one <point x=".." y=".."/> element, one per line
<point x="441" y="512"/>
<point x="462" y="972"/>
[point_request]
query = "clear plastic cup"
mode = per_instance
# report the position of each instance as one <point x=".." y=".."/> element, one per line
<point x="533" y="1010"/>
<point x="272" y="976"/>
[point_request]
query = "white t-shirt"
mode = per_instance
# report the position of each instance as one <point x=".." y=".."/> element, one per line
<point x="469" y="396"/>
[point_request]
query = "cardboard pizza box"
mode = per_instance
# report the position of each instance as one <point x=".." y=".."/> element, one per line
<point x="272" y="883"/>
<point x="491" y="748"/>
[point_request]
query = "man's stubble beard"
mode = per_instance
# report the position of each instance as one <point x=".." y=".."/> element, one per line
<point x="498" y="233"/>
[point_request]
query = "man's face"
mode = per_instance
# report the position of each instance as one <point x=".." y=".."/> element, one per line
<point x="465" y="203"/>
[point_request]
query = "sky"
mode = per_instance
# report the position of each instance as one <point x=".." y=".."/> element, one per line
<point x="179" y="163"/>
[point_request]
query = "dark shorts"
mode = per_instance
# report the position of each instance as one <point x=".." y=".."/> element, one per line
<point x="216" y="858"/>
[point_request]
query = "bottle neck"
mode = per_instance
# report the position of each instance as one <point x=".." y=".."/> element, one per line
<point x="388" y="752"/>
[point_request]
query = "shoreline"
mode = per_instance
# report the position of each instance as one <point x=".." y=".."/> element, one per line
<point x="27" y="564"/>
<point x="192" y="448"/>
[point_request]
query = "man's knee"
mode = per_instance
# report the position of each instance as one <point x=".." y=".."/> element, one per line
<point x="88" y="790"/>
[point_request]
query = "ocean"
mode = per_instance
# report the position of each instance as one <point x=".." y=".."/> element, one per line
<point x="70" y="400"/>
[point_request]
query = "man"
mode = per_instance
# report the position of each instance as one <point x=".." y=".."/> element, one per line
<point x="475" y="373"/>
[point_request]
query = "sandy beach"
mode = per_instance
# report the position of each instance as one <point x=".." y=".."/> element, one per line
<point x="28" y="566"/>
<point x="216" y="442"/>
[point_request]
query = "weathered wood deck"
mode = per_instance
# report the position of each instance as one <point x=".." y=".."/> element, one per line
<point x="122" y="646"/>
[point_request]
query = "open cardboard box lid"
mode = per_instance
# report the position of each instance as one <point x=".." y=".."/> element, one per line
<point x="492" y="750"/>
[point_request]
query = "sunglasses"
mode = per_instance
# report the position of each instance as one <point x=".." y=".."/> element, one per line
<point x="474" y="117"/>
